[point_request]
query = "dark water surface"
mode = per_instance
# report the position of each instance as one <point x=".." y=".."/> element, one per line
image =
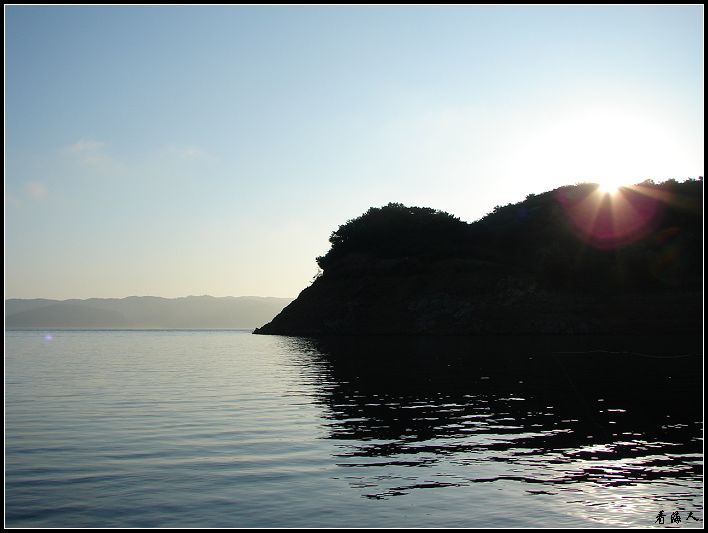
<point x="224" y="428"/>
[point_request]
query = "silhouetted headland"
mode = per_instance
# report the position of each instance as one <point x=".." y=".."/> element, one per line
<point x="575" y="260"/>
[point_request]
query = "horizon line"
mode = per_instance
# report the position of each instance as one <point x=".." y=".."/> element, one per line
<point x="148" y="296"/>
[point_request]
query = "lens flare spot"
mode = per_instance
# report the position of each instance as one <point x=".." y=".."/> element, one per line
<point x="610" y="220"/>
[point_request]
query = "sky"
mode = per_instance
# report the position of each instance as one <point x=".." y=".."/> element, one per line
<point x="175" y="151"/>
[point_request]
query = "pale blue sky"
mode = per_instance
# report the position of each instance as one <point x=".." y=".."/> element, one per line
<point x="212" y="150"/>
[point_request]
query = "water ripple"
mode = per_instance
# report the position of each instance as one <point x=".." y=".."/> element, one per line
<point x="223" y="429"/>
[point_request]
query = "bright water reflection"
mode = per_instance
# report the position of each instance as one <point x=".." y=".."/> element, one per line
<point x="230" y="429"/>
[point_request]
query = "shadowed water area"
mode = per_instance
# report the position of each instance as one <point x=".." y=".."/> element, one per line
<point x="224" y="428"/>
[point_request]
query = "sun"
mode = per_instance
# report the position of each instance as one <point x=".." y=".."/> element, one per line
<point x="610" y="186"/>
<point x="615" y="144"/>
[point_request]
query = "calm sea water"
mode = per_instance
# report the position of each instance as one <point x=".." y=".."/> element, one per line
<point x="225" y="428"/>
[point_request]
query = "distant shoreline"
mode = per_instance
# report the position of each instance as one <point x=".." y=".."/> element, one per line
<point x="139" y="313"/>
<point x="49" y="328"/>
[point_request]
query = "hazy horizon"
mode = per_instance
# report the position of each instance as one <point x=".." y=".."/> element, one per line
<point x="154" y="296"/>
<point x="143" y="312"/>
<point x="181" y="150"/>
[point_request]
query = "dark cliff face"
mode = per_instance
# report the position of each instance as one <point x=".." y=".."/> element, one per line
<point x="573" y="260"/>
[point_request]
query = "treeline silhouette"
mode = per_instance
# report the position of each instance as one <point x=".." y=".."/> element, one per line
<point x="397" y="231"/>
<point x="537" y="239"/>
<point x="574" y="260"/>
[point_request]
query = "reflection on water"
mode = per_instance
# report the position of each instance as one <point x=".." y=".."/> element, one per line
<point x="224" y="428"/>
<point x="607" y="422"/>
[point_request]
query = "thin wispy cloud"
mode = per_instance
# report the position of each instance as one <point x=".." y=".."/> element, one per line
<point x="11" y="200"/>
<point x="90" y="153"/>
<point x="83" y="146"/>
<point x="189" y="153"/>
<point x="36" y="190"/>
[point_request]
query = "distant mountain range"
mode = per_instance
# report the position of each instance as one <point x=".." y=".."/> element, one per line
<point x="144" y="312"/>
